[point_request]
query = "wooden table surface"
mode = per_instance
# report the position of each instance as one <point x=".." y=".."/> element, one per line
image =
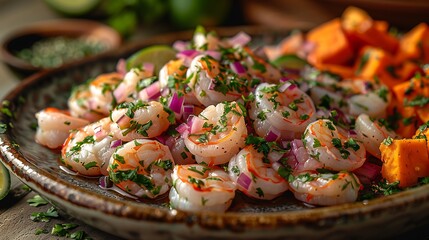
<point x="15" y="212"/>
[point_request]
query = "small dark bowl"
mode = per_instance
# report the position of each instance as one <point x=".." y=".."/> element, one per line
<point x="27" y="36"/>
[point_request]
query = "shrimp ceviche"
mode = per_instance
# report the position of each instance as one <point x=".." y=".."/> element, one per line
<point x="335" y="115"/>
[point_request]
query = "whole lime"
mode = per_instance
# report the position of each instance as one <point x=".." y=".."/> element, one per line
<point x="4" y="181"/>
<point x="188" y="14"/>
<point x="73" y="7"/>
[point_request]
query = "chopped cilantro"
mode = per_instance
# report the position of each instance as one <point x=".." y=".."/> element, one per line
<point x="36" y="201"/>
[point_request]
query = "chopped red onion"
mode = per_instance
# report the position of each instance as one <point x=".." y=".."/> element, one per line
<point x="149" y="68"/>
<point x="292" y="87"/>
<point x="273" y="134"/>
<point x="162" y="139"/>
<point x="244" y="181"/>
<point x="116" y="143"/>
<point x="182" y="128"/>
<point x="176" y="103"/>
<point x="197" y="124"/>
<point x="284" y="86"/>
<point x="119" y="92"/>
<point x="285" y="144"/>
<point x="240" y="39"/>
<point x="352" y="133"/>
<point x="180" y="45"/>
<point x="188" y="53"/>
<point x="105" y="182"/>
<point x="212" y="85"/>
<point x="214" y="54"/>
<point x="170" y="142"/>
<point x="121" y="67"/>
<point x="187" y="56"/>
<point x="187" y="111"/>
<point x="122" y="121"/>
<point x="298" y="150"/>
<point x="98" y="132"/>
<point x="238" y="68"/>
<point x="152" y="91"/>
<point x="274" y="156"/>
<point x="285" y="79"/>
<point x="367" y="172"/>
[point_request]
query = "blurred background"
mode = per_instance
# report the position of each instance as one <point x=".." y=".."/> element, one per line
<point x="138" y="19"/>
<point x="135" y="18"/>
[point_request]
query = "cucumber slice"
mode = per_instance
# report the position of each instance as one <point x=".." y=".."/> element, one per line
<point x="159" y="55"/>
<point x="4" y="181"/>
<point x="73" y="7"/>
<point x="290" y="61"/>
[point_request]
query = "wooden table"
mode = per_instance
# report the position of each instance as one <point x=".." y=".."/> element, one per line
<point x="15" y="222"/>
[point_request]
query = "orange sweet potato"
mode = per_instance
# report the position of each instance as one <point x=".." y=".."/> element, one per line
<point x="413" y="102"/>
<point x="408" y="69"/>
<point x="404" y="160"/>
<point x="414" y="45"/>
<point x="331" y="45"/>
<point x="423" y="113"/>
<point x="375" y="63"/>
<point x="408" y="123"/>
<point x="362" y="30"/>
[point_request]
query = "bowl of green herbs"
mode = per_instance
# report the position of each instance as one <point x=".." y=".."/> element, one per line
<point x="53" y="43"/>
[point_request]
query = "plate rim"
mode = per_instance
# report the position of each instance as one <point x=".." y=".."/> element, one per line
<point x="235" y="221"/>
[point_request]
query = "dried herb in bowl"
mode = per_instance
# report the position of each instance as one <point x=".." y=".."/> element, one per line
<point x="54" y="51"/>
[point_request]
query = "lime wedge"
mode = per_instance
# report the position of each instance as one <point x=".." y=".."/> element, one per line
<point x="73" y="7"/>
<point x="159" y="55"/>
<point x="4" y="181"/>
<point x="289" y="61"/>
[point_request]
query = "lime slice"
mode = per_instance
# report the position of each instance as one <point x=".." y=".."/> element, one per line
<point x="73" y="7"/>
<point x="4" y="181"/>
<point x="159" y="55"/>
<point x="290" y="61"/>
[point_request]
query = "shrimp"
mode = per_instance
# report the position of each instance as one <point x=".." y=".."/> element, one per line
<point x="325" y="188"/>
<point x="199" y="188"/>
<point x="81" y="104"/>
<point x="54" y="126"/>
<point x="352" y="97"/>
<point x="259" y="68"/>
<point x="372" y="133"/>
<point x="179" y="151"/>
<point x="87" y="149"/>
<point x="372" y="104"/>
<point x="140" y="120"/>
<point x="101" y="89"/>
<point x="212" y="83"/>
<point x="173" y="76"/>
<point x="217" y="133"/>
<point x="282" y="110"/>
<point x="254" y="176"/>
<point x="142" y="168"/>
<point x="126" y="91"/>
<point x="335" y="151"/>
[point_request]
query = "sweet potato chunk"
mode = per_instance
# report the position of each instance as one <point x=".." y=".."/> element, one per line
<point x="362" y="30"/>
<point x="404" y="160"/>
<point x="414" y="45"/>
<point x="375" y="63"/>
<point x="331" y="45"/>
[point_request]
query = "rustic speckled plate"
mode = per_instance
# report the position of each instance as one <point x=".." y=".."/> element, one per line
<point x="248" y="219"/>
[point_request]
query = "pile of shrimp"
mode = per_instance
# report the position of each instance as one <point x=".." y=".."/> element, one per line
<point x="217" y="119"/>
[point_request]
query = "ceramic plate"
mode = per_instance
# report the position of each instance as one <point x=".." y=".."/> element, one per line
<point x="82" y="198"/>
